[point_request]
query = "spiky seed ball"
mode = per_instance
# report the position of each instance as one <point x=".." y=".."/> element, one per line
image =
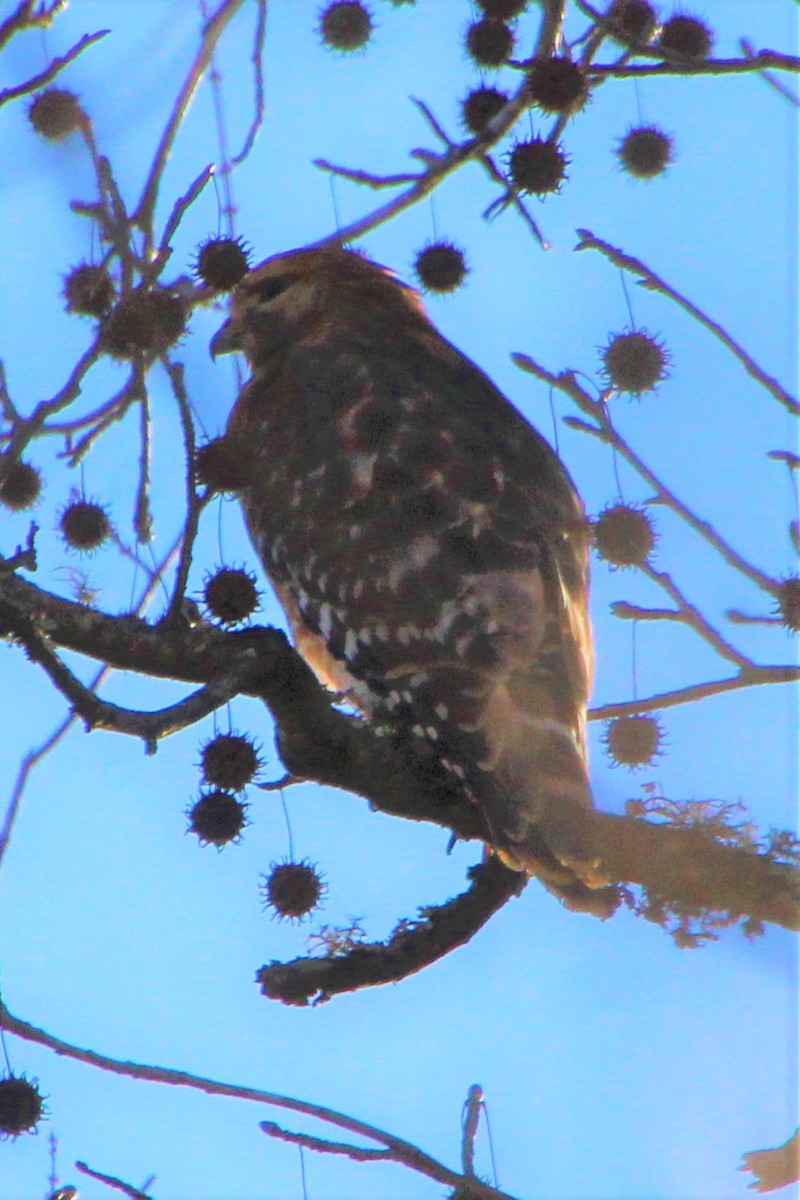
<point x="56" y="113"/>
<point x="645" y="151"/>
<point x="229" y="761"/>
<point x="217" y="818"/>
<point x="632" y="741"/>
<point x="89" y="290"/>
<point x="685" y="39"/>
<point x="789" y="603"/>
<point x="221" y="262"/>
<point x="345" y="25"/>
<point x="20" y="483"/>
<point x="635" y="362"/>
<point x="221" y="465"/>
<point x="144" y="322"/>
<point x="480" y="106"/>
<point x="84" y="525"/>
<point x="537" y="167"/>
<point x="292" y="889"/>
<point x="632" y="22"/>
<point x="489" y="42"/>
<point x="502" y="10"/>
<point x="624" y="535"/>
<point x="231" y="595"/>
<point x="21" y="1105"/>
<point x="440" y="267"/>
<point x="557" y="85"/>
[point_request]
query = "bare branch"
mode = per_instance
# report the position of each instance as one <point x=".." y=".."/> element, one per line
<point x="649" y="279"/>
<point x="566" y="382"/>
<point x="258" y="77"/>
<point x="54" y="68"/>
<point x="126" y="1188"/>
<point x="403" y="1152"/>
<point x="358" y="1153"/>
<point x="763" y="60"/>
<point x="212" y="32"/>
<point x="414" y="944"/>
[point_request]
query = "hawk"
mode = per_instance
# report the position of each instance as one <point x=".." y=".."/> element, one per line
<point x="428" y="546"/>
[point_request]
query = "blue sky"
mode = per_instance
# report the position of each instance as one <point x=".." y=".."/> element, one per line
<point x="614" y="1065"/>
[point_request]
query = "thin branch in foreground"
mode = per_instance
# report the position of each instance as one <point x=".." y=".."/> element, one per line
<point x="365" y="177"/>
<point x="769" y="78"/>
<point x="40" y="752"/>
<point x="692" y="616"/>
<point x="259" y="106"/>
<point x="54" y="68"/>
<point x="212" y="32"/>
<point x="404" y="1153"/>
<point x="763" y="60"/>
<point x="32" y="759"/>
<point x="126" y="1188"/>
<point x="606" y="432"/>
<point x="649" y="279"/>
<point x="323" y="1146"/>
<point x="746" y="678"/>
<point x="469" y="1128"/>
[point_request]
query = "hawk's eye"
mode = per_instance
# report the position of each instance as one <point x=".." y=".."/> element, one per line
<point x="272" y="287"/>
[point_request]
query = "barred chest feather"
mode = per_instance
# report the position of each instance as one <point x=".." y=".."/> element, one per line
<point x="427" y="546"/>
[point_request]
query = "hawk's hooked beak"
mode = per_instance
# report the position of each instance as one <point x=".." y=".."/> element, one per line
<point x="225" y="340"/>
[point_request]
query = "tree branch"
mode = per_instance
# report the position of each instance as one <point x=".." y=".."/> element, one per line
<point x="403" y="1152"/>
<point x="400" y="774"/>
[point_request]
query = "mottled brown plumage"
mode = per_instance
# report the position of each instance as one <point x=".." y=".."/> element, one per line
<point x="428" y="546"/>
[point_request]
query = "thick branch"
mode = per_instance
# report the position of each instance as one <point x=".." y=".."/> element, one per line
<point x="399" y="774"/>
<point x="413" y="945"/>
<point x="687" y="865"/>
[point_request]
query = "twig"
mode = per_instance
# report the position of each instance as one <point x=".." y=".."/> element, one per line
<point x="54" y="68"/>
<point x="112" y="1181"/>
<point x="469" y="1128"/>
<point x="777" y="84"/>
<point x="179" y="210"/>
<point x="35" y="756"/>
<point x="358" y="1153"/>
<point x="692" y="616"/>
<point x="21" y="559"/>
<point x="27" y="428"/>
<point x="212" y="32"/>
<point x="567" y="383"/>
<point x="754" y="676"/>
<point x="365" y="177"/>
<point x="439" y="166"/>
<point x="194" y="503"/>
<point x="7" y="406"/>
<point x="24" y="18"/>
<point x="511" y="197"/>
<point x="111" y="412"/>
<point x="710" y="66"/>
<point x="256" y="58"/>
<point x="142" y="516"/>
<point x="30" y="761"/>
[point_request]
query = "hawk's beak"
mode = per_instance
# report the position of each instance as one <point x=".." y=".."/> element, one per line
<point x="225" y="340"/>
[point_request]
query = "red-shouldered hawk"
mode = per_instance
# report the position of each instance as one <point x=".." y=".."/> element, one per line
<point x="429" y="548"/>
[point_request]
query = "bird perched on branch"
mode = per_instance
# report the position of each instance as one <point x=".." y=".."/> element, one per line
<point x="428" y="546"/>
